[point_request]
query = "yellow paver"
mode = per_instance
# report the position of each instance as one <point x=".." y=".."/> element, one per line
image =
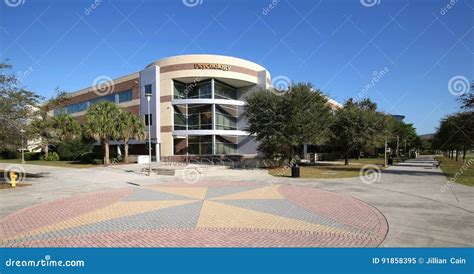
<point x="117" y="210"/>
<point x="268" y="192"/>
<point x="217" y="215"/>
<point x="191" y="192"/>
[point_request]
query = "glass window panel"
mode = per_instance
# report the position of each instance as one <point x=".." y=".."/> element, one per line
<point x="125" y="96"/>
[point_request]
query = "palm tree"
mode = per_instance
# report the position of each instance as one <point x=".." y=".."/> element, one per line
<point x="130" y="127"/>
<point x="101" y="123"/>
<point x="66" y="126"/>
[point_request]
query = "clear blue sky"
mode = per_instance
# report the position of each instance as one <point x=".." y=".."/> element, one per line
<point x="336" y="45"/>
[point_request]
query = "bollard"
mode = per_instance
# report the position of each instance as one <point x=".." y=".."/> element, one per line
<point x="13" y="177"/>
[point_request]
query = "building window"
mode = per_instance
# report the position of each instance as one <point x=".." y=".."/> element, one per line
<point x="201" y="90"/>
<point x="179" y="90"/>
<point x="226" y="144"/>
<point x="226" y="117"/>
<point x="200" y="145"/>
<point x="149" y="119"/>
<point x="223" y="91"/>
<point x="125" y="96"/>
<point x="180" y="120"/>
<point x="148" y="89"/>
<point x="199" y="117"/>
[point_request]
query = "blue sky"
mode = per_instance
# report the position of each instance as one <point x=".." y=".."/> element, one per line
<point x="336" y="45"/>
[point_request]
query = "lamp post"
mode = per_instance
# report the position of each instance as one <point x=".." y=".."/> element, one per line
<point x="148" y="97"/>
<point x="22" y="131"/>
<point x="385" y="151"/>
<point x="398" y="140"/>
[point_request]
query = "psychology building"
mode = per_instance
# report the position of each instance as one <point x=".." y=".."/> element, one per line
<point x="196" y="104"/>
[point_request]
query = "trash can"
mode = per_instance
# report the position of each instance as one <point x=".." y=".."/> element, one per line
<point x="390" y="161"/>
<point x="295" y="171"/>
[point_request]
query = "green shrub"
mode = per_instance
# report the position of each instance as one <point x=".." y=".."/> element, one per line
<point x="72" y="150"/>
<point x="10" y="154"/>
<point x="32" y="156"/>
<point x="52" y="156"/>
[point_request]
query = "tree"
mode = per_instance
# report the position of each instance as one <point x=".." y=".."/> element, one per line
<point x="455" y="134"/>
<point x="16" y="108"/>
<point x="130" y="127"/>
<point x="101" y="123"/>
<point x="355" y="126"/>
<point x="66" y="126"/>
<point x="283" y="123"/>
<point x="43" y="124"/>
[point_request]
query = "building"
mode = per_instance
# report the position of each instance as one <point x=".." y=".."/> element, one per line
<point x="196" y="104"/>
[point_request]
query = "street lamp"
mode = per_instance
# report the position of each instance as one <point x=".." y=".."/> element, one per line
<point x="385" y="150"/>
<point x="22" y="131"/>
<point x="148" y="95"/>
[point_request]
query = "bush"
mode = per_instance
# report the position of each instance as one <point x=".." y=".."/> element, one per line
<point x="10" y="154"/>
<point x="72" y="150"/>
<point x="32" y="156"/>
<point x="52" y="156"/>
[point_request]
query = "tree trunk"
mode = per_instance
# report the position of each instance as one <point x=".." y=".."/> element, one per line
<point x="464" y="154"/>
<point x="126" y="151"/>
<point x="457" y="155"/>
<point x="46" y="150"/>
<point x="106" y="154"/>
<point x="358" y="155"/>
<point x="346" y="160"/>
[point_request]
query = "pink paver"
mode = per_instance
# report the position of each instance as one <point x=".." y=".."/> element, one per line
<point x="342" y="208"/>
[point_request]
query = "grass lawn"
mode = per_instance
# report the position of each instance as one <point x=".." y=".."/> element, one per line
<point x="328" y="171"/>
<point x="49" y="163"/>
<point x="461" y="173"/>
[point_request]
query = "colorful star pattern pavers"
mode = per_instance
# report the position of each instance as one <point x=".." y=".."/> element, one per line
<point x="213" y="214"/>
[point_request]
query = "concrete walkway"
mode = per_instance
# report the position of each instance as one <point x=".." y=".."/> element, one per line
<point x="421" y="208"/>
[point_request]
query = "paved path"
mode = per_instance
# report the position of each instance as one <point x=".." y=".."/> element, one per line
<point x="419" y="205"/>
<point x="217" y="214"/>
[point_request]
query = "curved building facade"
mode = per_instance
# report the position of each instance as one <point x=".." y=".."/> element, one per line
<point x="195" y="108"/>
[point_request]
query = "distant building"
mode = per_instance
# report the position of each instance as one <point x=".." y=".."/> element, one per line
<point x="398" y="117"/>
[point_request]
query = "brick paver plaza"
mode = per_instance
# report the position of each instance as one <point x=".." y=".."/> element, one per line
<point x="217" y="214"/>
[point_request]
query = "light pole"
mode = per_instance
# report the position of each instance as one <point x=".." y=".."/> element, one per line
<point x="22" y="131"/>
<point x="148" y="97"/>
<point x="385" y="151"/>
<point x="405" y="149"/>
<point x="398" y="158"/>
